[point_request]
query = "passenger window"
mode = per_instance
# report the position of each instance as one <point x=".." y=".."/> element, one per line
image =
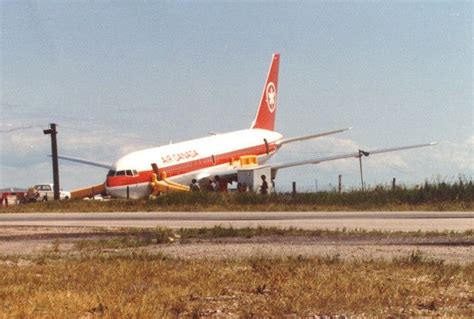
<point x="47" y="187"/>
<point x="120" y="173"/>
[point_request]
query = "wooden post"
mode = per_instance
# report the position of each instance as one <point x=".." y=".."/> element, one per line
<point x="361" y="174"/>
<point x="340" y="183"/>
<point x="394" y="183"/>
<point x="294" y="189"/>
<point x="54" y="154"/>
<point x="128" y="192"/>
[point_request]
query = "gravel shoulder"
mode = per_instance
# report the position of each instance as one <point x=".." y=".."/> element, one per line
<point x="33" y="241"/>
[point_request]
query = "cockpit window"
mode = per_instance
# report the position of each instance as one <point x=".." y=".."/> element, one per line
<point x="128" y="172"/>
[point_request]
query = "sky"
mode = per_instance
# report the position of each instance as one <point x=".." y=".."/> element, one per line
<point x="120" y="76"/>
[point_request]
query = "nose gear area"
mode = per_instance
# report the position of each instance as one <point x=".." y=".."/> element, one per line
<point x="164" y="186"/>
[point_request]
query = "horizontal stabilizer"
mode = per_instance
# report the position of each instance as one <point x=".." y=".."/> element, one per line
<point x="349" y="155"/>
<point x="307" y="137"/>
<point x="84" y="161"/>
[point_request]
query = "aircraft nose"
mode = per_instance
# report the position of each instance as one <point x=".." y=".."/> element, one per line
<point x="108" y="181"/>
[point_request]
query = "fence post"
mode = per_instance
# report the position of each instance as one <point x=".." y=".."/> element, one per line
<point x="393" y="183"/>
<point x="294" y="189"/>
<point x="128" y="192"/>
<point x="340" y="183"/>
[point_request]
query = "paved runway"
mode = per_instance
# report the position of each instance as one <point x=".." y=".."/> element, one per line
<point x="402" y="221"/>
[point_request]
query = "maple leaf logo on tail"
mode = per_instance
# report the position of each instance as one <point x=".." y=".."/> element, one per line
<point x="271" y="97"/>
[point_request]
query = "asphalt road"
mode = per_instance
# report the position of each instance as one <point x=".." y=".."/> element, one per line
<point x="402" y="221"/>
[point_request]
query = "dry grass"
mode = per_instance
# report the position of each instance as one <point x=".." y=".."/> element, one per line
<point x="268" y="205"/>
<point x="248" y="232"/>
<point x="141" y="285"/>
<point x="128" y="238"/>
<point x="439" y="196"/>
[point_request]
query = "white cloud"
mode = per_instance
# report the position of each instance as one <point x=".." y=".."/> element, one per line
<point x="24" y="153"/>
<point x="459" y="155"/>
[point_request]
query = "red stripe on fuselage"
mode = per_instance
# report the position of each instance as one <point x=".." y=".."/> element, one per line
<point x="188" y="167"/>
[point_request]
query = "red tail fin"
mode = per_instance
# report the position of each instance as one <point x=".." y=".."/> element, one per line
<point x="265" y="118"/>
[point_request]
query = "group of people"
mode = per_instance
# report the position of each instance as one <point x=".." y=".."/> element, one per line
<point x="214" y="185"/>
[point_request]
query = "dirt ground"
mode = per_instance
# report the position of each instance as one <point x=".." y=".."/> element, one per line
<point x="30" y="241"/>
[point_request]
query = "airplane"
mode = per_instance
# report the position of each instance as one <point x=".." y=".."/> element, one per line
<point x="214" y="155"/>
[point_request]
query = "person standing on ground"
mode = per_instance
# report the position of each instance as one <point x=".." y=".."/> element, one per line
<point x="211" y="186"/>
<point x="217" y="183"/>
<point x="264" y="186"/>
<point x="194" y="186"/>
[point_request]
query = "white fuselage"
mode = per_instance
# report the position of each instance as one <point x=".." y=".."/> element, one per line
<point x="197" y="158"/>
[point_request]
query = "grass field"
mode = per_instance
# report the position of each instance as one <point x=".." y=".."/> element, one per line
<point x="456" y="196"/>
<point x="142" y="285"/>
<point x="114" y="277"/>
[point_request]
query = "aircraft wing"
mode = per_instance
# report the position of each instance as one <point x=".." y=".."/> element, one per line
<point x="360" y="153"/>
<point x="231" y="172"/>
<point x="84" y="161"/>
<point x="307" y="137"/>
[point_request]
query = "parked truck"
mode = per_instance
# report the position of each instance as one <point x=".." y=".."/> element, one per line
<point x="45" y="192"/>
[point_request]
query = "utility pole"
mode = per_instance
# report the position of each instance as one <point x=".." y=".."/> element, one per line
<point x="54" y="154"/>
<point x="362" y="153"/>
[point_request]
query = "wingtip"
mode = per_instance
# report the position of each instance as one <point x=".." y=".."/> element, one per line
<point x="434" y="143"/>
